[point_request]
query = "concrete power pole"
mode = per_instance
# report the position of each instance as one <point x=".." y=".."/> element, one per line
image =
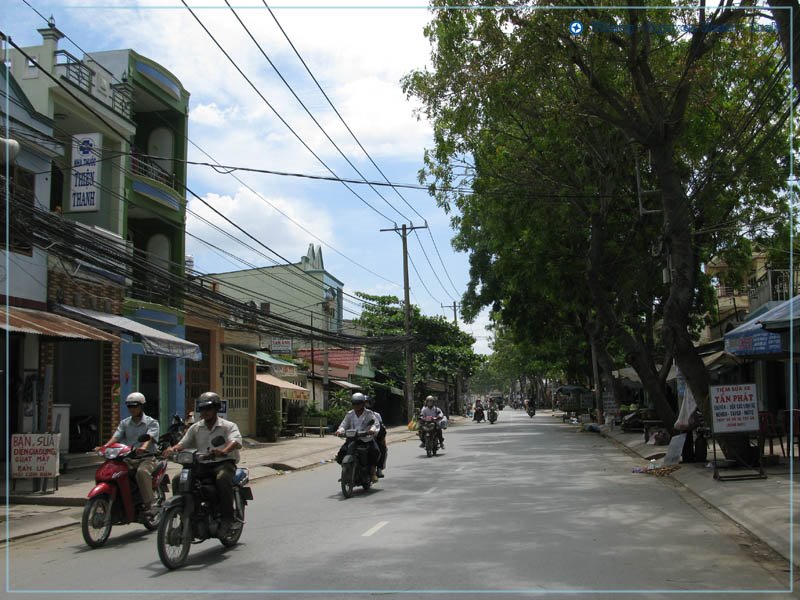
<point x="457" y="399"/>
<point x="409" y="386"/>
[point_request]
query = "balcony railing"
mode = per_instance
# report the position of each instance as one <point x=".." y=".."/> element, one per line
<point x="147" y="167"/>
<point x="80" y="74"/>
<point x="74" y="70"/>
<point x="774" y="286"/>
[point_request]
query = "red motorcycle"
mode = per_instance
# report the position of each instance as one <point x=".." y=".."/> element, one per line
<point x="115" y="498"/>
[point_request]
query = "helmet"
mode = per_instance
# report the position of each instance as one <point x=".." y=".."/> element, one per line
<point x="135" y="399"/>
<point x="369" y="400"/>
<point x="207" y="399"/>
<point x="358" y="398"/>
<point x="430" y="399"/>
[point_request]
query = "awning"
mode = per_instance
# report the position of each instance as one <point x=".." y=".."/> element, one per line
<point x="782" y="316"/>
<point x="295" y="392"/>
<point x="751" y="339"/>
<point x="39" y="322"/>
<point x="154" y="341"/>
<point x="345" y="384"/>
<point x="264" y="357"/>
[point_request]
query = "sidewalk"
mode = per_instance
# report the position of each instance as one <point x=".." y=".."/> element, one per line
<point x="764" y="507"/>
<point x="30" y="513"/>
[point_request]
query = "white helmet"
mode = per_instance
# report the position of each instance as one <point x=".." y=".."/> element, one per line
<point x="135" y="399"/>
<point x="358" y="398"/>
<point x="431" y="398"/>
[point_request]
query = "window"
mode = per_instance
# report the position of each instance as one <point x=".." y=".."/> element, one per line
<point x="236" y="381"/>
<point x="21" y="187"/>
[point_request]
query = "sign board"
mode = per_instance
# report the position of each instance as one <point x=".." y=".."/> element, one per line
<point x="734" y="408"/>
<point x="34" y="455"/>
<point x="84" y="190"/>
<point x="222" y="412"/>
<point x="609" y="404"/>
<point x="281" y="346"/>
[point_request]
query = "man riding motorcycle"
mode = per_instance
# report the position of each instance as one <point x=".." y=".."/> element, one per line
<point x="223" y="465"/>
<point x="430" y="410"/>
<point x="362" y="419"/>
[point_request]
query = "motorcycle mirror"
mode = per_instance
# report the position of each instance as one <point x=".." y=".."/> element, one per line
<point x="218" y="441"/>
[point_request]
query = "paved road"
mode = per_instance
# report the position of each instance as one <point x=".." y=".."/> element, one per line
<point x="524" y="504"/>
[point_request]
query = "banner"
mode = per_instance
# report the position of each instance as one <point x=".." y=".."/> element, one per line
<point x="84" y="191"/>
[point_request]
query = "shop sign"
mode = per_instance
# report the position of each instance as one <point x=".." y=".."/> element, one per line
<point x="734" y="408"/>
<point x="34" y="455"/>
<point x="84" y="188"/>
<point x="281" y="346"/>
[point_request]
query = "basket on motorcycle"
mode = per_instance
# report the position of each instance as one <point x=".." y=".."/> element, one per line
<point x="351" y="433"/>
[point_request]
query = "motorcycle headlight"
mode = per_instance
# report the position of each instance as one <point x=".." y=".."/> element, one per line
<point x="111" y="453"/>
<point x="185" y="457"/>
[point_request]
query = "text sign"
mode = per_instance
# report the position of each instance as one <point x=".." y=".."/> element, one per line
<point x="84" y="190"/>
<point x="34" y="455"/>
<point x="281" y="346"/>
<point x="734" y="407"/>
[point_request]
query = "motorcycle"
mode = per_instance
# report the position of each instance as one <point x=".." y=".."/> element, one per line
<point x="173" y="434"/>
<point x="115" y="499"/>
<point x="355" y="462"/>
<point x="492" y="415"/>
<point x="479" y="416"/>
<point x="192" y="515"/>
<point x="430" y="435"/>
<point x="531" y="411"/>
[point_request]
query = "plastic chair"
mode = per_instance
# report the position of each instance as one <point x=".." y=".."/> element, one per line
<point x="769" y="430"/>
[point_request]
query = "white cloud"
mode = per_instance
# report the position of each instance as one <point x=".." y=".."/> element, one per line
<point x="211" y="115"/>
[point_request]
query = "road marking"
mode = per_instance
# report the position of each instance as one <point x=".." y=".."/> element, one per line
<point x="430" y="491"/>
<point x="369" y="532"/>
<point x="461" y="468"/>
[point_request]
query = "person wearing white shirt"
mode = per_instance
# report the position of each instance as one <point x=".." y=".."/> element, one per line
<point x="431" y="410"/>
<point x="361" y="419"/>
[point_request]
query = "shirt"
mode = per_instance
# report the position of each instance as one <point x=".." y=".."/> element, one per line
<point x="128" y="432"/>
<point x="353" y="421"/>
<point x="433" y="411"/>
<point x="199" y="436"/>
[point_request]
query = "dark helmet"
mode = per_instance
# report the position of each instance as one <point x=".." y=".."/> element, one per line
<point x="207" y="399"/>
<point x="135" y="399"/>
<point x="358" y="398"/>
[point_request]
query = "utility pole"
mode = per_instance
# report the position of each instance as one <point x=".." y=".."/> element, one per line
<point x="409" y="386"/>
<point x="457" y="399"/>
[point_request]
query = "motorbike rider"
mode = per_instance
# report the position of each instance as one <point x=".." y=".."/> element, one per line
<point x="431" y="410"/>
<point x="358" y="419"/>
<point x="225" y="457"/>
<point x="128" y="432"/>
<point x="478" y="408"/>
<point x="380" y="439"/>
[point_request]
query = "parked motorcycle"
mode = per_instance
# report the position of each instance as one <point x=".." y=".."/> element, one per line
<point x="430" y="436"/>
<point x="83" y="433"/>
<point x="115" y="499"/>
<point x="355" y="462"/>
<point x="192" y="515"/>
<point x="173" y="434"/>
<point x="492" y="415"/>
<point x="479" y="415"/>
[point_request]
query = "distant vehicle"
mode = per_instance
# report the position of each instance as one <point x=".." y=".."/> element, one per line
<point x="499" y="401"/>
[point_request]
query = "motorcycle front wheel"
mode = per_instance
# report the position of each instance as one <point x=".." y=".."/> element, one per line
<point x="151" y="521"/>
<point x="174" y="537"/>
<point x="236" y="529"/>
<point x="429" y="446"/>
<point x="348" y="477"/>
<point x="96" y="521"/>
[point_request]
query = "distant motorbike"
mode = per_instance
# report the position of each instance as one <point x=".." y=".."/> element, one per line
<point x="492" y="415"/>
<point x="355" y="462"/>
<point x="192" y="515"/>
<point x="115" y="499"/>
<point x="430" y="435"/>
<point x="531" y="410"/>
<point x="173" y="434"/>
<point x="479" y="416"/>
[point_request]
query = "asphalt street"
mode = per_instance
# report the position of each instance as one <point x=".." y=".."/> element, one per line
<point x="524" y="506"/>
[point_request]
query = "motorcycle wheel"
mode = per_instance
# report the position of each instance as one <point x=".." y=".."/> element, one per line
<point x="174" y="537"/>
<point x="348" y="475"/>
<point x="151" y="522"/>
<point x="96" y="521"/>
<point x="429" y="447"/>
<point x="235" y="533"/>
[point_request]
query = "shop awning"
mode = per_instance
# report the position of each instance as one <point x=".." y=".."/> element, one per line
<point x="345" y="384"/>
<point x="782" y="316"/>
<point x="295" y="391"/>
<point x="154" y="341"/>
<point x="39" y="322"/>
<point x="751" y="339"/>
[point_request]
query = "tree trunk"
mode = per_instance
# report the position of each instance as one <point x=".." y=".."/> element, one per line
<point x="782" y="18"/>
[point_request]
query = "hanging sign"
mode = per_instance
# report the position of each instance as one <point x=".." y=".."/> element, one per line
<point x="734" y="408"/>
<point x="281" y="346"/>
<point x="34" y="455"/>
<point x="84" y="191"/>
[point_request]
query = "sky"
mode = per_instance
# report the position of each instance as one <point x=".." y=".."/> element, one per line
<point x="358" y="51"/>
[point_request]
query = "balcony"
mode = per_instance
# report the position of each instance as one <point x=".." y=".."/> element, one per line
<point x="81" y="75"/>
<point x="776" y="285"/>
<point x="147" y="167"/>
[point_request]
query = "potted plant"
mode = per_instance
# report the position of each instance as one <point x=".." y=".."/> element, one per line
<point x="268" y="425"/>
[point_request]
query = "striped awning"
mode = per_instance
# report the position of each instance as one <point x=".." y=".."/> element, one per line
<point x="39" y="322"/>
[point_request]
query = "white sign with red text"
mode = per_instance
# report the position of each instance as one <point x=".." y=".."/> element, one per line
<point x="34" y="455"/>
<point x="734" y="407"/>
